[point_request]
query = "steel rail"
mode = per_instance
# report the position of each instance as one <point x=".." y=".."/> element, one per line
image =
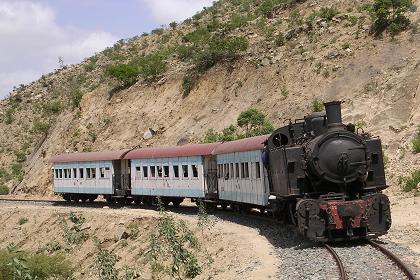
<point x="395" y="259"/>
<point x="343" y="275"/>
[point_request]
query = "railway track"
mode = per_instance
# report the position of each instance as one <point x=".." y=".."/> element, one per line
<point x="394" y="258"/>
<point x="342" y="271"/>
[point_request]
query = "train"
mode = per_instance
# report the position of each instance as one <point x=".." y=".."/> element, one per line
<point x="321" y="175"/>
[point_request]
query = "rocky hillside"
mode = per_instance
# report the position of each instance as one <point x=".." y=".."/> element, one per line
<point x="277" y="56"/>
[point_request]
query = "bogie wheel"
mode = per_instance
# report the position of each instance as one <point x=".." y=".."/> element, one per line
<point x="176" y="202"/>
<point x="92" y="198"/>
<point x="148" y="201"/>
<point x="67" y="197"/>
<point x="129" y="200"/>
<point x="109" y="199"/>
<point x="224" y="205"/>
<point x="138" y="200"/>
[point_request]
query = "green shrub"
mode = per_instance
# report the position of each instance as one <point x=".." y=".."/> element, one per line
<point x="133" y="231"/>
<point x="8" y="116"/>
<point x="40" y="126"/>
<point x="22" y="221"/>
<point x="251" y="121"/>
<point x="173" y="25"/>
<point x="4" y="190"/>
<point x="237" y="21"/>
<point x="187" y="84"/>
<point x="157" y="31"/>
<point x="126" y="74"/>
<point x="33" y="266"/>
<point x="73" y="233"/>
<point x="211" y="136"/>
<point x="219" y="48"/>
<point x="416" y="142"/>
<point x="151" y="65"/>
<point x="185" y="52"/>
<point x="52" y="107"/>
<point x="295" y="19"/>
<point x="390" y="15"/>
<point x="105" y="262"/>
<point x="327" y="13"/>
<point x="76" y="96"/>
<point x="17" y="171"/>
<point x="20" y="156"/>
<point x="267" y="6"/>
<point x="4" y="175"/>
<point x="280" y="40"/>
<point x="171" y="249"/>
<point x="317" y="105"/>
<point x="410" y="183"/>
<point x="199" y="36"/>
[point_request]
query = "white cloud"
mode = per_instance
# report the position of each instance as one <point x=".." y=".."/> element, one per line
<point x="165" y="11"/>
<point x="31" y="42"/>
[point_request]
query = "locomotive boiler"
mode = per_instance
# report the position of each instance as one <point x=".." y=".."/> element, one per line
<point x="329" y="177"/>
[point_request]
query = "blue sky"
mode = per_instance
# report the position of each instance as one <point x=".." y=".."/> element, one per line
<point x="35" y="33"/>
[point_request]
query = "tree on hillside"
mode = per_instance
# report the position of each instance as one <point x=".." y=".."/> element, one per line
<point x="390" y="15"/>
<point x="254" y="123"/>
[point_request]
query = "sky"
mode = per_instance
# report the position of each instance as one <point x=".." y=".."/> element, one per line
<point x="34" y="34"/>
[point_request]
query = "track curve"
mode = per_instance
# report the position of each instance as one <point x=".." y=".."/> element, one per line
<point x="395" y="259"/>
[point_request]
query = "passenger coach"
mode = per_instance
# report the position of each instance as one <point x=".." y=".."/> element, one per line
<point x="230" y="173"/>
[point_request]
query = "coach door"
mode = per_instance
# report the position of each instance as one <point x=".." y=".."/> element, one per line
<point x="121" y="179"/>
<point x="210" y="175"/>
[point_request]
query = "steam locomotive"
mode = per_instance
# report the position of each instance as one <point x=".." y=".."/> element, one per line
<point x="322" y="175"/>
<point x="330" y="177"/>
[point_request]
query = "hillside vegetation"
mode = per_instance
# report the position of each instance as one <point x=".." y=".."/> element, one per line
<point x="190" y="81"/>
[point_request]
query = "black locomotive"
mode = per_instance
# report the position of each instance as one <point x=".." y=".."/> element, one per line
<point x="329" y="177"/>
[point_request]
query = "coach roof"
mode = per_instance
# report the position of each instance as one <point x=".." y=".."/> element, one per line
<point x="177" y="151"/>
<point x="91" y="156"/>
<point x="242" y="145"/>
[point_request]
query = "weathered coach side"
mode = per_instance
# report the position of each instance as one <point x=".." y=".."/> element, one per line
<point x="86" y="175"/>
<point x="174" y="172"/>
<point x="242" y="177"/>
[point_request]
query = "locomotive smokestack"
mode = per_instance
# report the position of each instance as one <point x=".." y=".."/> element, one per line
<point x="333" y="110"/>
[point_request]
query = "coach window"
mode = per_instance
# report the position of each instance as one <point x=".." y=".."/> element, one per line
<point x="257" y="170"/>
<point x="218" y="171"/>
<point x="93" y="173"/>
<point x="153" y="171"/>
<point x="81" y="173"/>
<point x="176" y="171"/>
<point x="159" y="171"/>
<point x="236" y="170"/>
<point x="138" y="172"/>
<point x="145" y="173"/>
<point x="244" y="170"/>
<point x="65" y="173"/>
<point x="166" y="171"/>
<point x="56" y="173"/>
<point x="194" y="170"/>
<point x="185" y="171"/>
<point x="75" y="173"/>
<point x="102" y="172"/>
<point x="231" y="171"/>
